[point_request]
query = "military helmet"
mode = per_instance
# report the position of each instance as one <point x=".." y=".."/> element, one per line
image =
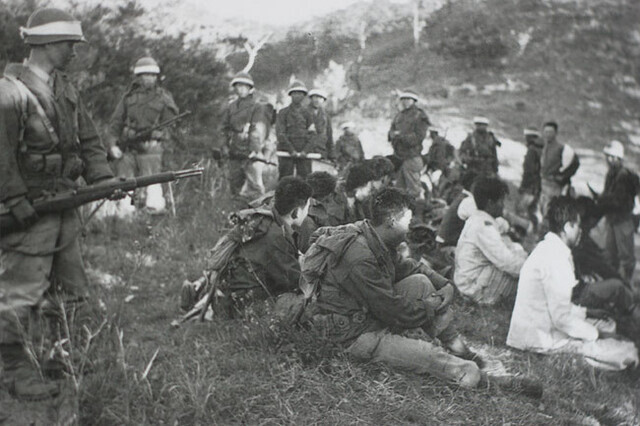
<point x="408" y="94"/>
<point x="242" y="78"/>
<point x="51" y="25"/>
<point x="146" y="65"/>
<point x="297" y="86"/>
<point x="319" y="92"/>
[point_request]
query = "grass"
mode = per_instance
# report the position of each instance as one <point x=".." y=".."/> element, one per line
<point x="252" y="371"/>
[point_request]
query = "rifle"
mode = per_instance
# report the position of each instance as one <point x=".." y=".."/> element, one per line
<point x="66" y="200"/>
<point x="145" y="135"/>
<point x="218" y="156"/>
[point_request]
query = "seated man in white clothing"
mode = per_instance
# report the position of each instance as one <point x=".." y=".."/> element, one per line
<point x="487" y="263"/>
<point x="544" y="320"/>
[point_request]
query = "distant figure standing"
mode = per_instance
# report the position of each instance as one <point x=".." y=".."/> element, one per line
<point x="616" y="202"/>
<point x="144" y="105"/>
<point x="408" y="130"/>
<point x="294" y="128"/>
<point x="530" y="185"/>
<point x="558" y="163"/>
<point x="322" y="140"/>
<point x="348" y="146"/>
<point x="441" y="152"/>
<point x="478" y="152"/>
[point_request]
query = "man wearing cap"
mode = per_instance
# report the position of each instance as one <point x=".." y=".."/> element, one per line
<point x="558" y="162"/>
<point x="294" y="128"/>
<point x="408" y="130"/>
<point x="322" y="140"/>
<point x="530" y="185"/>
<point x="616" y="203"/>
<point x="245" y="124"/>
<point x="478" y="151"/>
<point x="143" y="105"/>
<point x="47" y="140"/>
<point x="348" y="146"/>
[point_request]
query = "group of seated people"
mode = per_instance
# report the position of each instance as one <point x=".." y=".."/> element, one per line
<point x="337" y="240"/>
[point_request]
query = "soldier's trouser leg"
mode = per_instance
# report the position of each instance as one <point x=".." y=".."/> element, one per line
<point x="414" y="355"/>
<point x="68" y="267"/>
<point x="619" y="247"/>
<point x="606" y="294"/>
<point x="151" y="163"/>
<point x="418" y="286"/>
<point x="253" y="186"/>
<point x="126" y="167"/>
<point x="409" y="177"/>
<point x="236" y="175"/>
<point x="303" y="167"/>
<point x="285" y="167"/>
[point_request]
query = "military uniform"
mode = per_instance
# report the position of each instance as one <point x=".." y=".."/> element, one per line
<point x="292" y="128"/>
<point x="48" y="252"/>
<point x="138" y="110"/>
<point x="238" y="124"/>
<point x="348" y="150"/>
<point x="408" y="130"/>
<point x="376" y="304"/>
<point x="332" y="210"/>
<point x="478" y="152"/>
<point x="558" y="163"/>
<point x="322" y="140"/>
<point x="441" y="154"/>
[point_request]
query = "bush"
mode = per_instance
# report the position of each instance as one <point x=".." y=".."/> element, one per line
<point x="464" y="30"/>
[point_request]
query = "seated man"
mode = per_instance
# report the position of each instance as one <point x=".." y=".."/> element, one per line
<point x="383" y="170"/>
<point x="258" y="258"/>
<point x="452" y="224"/>
<point x="328" y="207"/>
<point x="600" y="287"/>
<point x="486" y="263"/>
<point x="544" y="319"/>
<point x="370" y="298"/>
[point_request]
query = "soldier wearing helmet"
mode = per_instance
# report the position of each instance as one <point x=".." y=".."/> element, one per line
<point x="47" y="140"/>
<point x="144" y="105"/>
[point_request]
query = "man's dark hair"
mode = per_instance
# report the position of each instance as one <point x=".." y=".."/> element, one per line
<point x="389" y="202"/>
<point x="561" y="210"/>
<point x="488" y="189"/>
<point x="380" y="166"/>
<point x="322" y="184"/>
<point x="291" y="192"/>
<point x="358" y="175"/>
<point x="468" y="178"/>
<point x="551" y="124"/>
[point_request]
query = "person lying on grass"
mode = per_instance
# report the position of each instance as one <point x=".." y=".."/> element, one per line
<point x="544" y="319"/>
<point x="381" y="306"/>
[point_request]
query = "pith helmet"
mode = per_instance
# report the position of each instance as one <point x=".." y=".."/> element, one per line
<point x="408" y="94"/>
<point x="51" y="25"/>
<point x="480" y="120"/>
<point x="318" y="92"/>
<point x="146" y="65"/>
<point x="242" y="78"/>
<point x="297" y="86"/>
<point x="614" y="149"/>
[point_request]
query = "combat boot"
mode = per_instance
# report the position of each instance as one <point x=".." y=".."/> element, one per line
<point x="23" y="379"/>
<point x="458" y="348"/>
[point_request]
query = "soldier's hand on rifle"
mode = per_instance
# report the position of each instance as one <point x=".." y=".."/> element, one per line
<point x="117" y="194"/>
<point x="115" y="152"/>
<point x="23" y="211"/>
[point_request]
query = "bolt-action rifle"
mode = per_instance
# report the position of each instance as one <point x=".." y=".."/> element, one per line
<point x="70" y="199"/>
<point x="145" y="135"/>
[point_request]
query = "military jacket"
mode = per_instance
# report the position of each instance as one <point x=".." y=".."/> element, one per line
<point x="349" y="149"/>
<point x="531" y="168"/>
<point x="322" y="140"/>
<point x="37" y="163"/>
<point x="292" y="128"/>
<point x="479" y="152"/>
<point x="238" y="121"/>
<point x="440" y="155"/>
<point x="617" y="200"/>
<point x="412" y="123"/>
<point x="140" y="109"/>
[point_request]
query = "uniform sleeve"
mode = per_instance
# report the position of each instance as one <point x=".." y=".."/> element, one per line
<point x="490" y="242"/>
<point x="283" y="267"/>
<point x="309" y="120"/>
<point x="407" y="267"/>
<point x="392" y="129"/>
<point x="117" y="121"/>
<point x="384" y="303"/>
<point x="330" y="144"/>
<point x="169" y="111"/>
<point x="281" y="132"/>
<point x="466" y="150"/>
<point x="307" y="228"/>
<point x="11" y="183"/>
<point x="622" y="198"/>
<point x="91" y="149"/>
<point x="529" y="169"/>
<point x="558" y="288"/>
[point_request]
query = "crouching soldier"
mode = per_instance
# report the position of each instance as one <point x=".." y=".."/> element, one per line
<point x="380" y="306"/>
<point x="258" y="258"/>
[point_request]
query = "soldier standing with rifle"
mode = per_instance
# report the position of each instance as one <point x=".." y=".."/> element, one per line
<point x="478" y="152"/>
<point x="47" y="140"/>
<point x="144" y="105"/>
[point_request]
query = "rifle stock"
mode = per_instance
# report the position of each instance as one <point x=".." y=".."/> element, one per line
<point x="71" y="199"/>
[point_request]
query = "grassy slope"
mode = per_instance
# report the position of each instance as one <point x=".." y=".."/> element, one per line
<point x="252" y="372"/>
